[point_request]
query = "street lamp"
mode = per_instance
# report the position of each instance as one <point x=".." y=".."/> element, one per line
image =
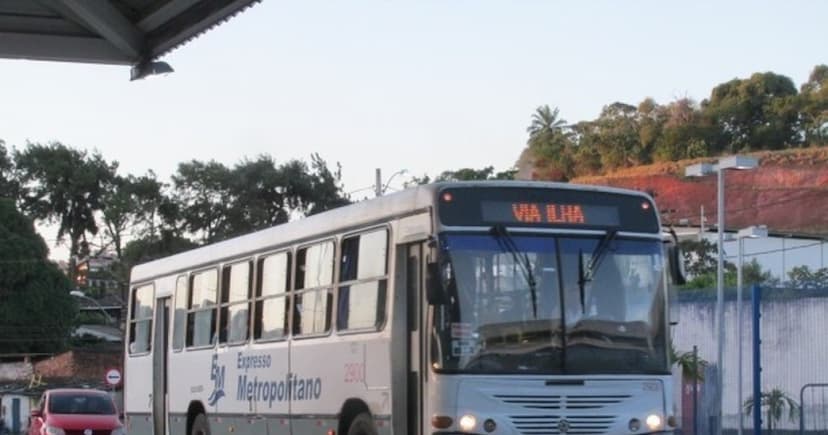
<point x="698" y="170"/>
<point x="751" y="232"/>
<point x="80" y="294"/>
<point x="379" y="188"/>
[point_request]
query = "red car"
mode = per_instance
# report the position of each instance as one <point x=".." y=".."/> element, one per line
<point x="75" y="412"/>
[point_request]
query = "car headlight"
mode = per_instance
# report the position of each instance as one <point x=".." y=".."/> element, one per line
<point x="118" y="431"/>
<point x="51" y="430"/>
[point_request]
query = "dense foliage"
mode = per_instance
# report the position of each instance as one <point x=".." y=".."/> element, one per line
<point x="762" y="112"/>
<point x="36" y="310"/>
<point x="138" y="218"/>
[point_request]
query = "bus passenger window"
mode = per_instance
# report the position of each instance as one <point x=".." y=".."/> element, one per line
<point x="140" y="320"/>
<point x="180" y="314"/>
<point x="201" y="313"/>
<point x="363" y="281"/>
<point x="271" y="297"/>
<point x="235" y="302"/>
<point x="314" y="277"/>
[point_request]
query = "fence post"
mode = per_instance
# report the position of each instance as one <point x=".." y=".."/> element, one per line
<point x="802" y="409"/>
<point x="756" y="297"/>
<point x="695" y="390"/>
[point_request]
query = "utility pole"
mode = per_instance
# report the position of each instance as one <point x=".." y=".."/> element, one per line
<point x="378" y="185"/>
<point x="701" y="224"/>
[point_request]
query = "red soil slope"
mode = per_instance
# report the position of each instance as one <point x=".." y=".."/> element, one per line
<point x="788" y="192"/>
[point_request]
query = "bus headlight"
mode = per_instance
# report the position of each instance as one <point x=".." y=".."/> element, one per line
<point x="653" y="422"/>
<point x="467" y="422"/>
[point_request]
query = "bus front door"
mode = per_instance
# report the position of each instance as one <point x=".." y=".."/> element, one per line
<point x="415" y="302"/>
<point x="159" y="366"/>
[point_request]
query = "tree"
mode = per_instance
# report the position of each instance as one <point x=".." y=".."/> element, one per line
<point x="551" y="144"/>
<point x="326" y="187"/>
<point x="145" y="249"/>
<point x="814" y="103"/>
<point x="152" y="209"/>
<point x="774" y="402"/>
<point x="803" y="277"/>
<point x="692" y="366"/>
<point x="617" y="137"/>
<point x="64" y="185"/>
<point x="8" y="184"/>
<point x="471" y="174"/>
<point x="203" y="192"/>
<point x="699" y="256"/>
<point x="36" y="310"/>
<point x="759" y="113"/>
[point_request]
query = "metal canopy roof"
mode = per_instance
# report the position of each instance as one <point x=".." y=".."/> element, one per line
<point x="127" y="32"/>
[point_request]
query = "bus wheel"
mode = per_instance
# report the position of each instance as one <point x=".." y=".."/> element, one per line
<point x="363" y="424"/>
<point x="200" y="426"/>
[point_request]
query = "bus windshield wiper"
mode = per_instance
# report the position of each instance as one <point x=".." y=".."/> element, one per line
<point x="507" y="244"/>
<point x="585" y="274"/>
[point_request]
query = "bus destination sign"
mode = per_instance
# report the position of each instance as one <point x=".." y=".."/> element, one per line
<point x="546" y="207"/>
<point x="528" y="213"/>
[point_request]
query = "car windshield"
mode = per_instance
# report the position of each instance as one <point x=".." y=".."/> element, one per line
<point x="80" y="403"/>
<point x="507" y="313"/>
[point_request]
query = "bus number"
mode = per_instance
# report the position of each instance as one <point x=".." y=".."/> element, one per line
<point x="354" y="372"/>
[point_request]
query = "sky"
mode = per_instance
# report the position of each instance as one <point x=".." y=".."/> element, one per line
<point x="422" y="86"/>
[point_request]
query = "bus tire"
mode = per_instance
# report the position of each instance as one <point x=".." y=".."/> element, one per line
<point x="363" y="424"/>
<point x="200" y="425"/>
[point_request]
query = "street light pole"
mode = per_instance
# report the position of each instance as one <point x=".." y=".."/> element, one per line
<point x="720" y="294"/>
<point x="700" y="169"/>
<point x="739" y="329"/>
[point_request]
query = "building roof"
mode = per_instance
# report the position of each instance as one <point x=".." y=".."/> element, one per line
<point x="127" y="32"/>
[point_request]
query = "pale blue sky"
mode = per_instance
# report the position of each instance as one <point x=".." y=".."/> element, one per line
<point x="418" y="85"/>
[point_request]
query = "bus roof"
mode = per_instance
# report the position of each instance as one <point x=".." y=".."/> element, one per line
<point x="377" y="210"/>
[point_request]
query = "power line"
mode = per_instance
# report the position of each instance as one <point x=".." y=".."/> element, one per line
<point x="751" y="207"/>
<point x="773" y="251"/>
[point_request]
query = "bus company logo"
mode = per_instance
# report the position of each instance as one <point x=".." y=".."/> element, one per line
<point x="217" y="376"/>
<point x="563" y="426"/>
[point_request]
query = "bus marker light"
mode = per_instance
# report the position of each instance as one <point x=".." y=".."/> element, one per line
<point x="468" y="422"/>
<point x="330" y="432"/>
<point x="489" y="425"/>
<point x="441" y="421"/>
<point x="447" y="197"/>
<point x="634" y="425"/>
<point x="645" y="205"/>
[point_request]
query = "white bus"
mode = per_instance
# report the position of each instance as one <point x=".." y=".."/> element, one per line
<point x="468" y="307"/>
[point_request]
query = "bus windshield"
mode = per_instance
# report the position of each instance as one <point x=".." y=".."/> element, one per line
<point x="507" y="312"/>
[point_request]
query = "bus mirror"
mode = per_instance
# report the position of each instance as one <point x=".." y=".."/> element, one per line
<point x="435" y="290"/>
<point x="676" y="265"/>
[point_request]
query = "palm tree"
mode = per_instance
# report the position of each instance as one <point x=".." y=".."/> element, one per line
<point x="550" y="142"/>
<point x="775" y="401"/>
<point x="692" y="367"/>
<point x="545" y="120"/>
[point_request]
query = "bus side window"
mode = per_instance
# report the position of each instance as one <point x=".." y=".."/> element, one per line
<point x="272" y="299"/>
<point x="140" y="319"/>
<point x="201" y="312"/>
<point x="236" y="287"/>
<point x="363" y="280"/>
<point x="180" y="314"/>
<point x="312" y="299"/>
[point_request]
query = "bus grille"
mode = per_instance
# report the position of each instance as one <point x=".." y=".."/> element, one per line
<point x="554" y="424"/>
<point x="572" y="402"/>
